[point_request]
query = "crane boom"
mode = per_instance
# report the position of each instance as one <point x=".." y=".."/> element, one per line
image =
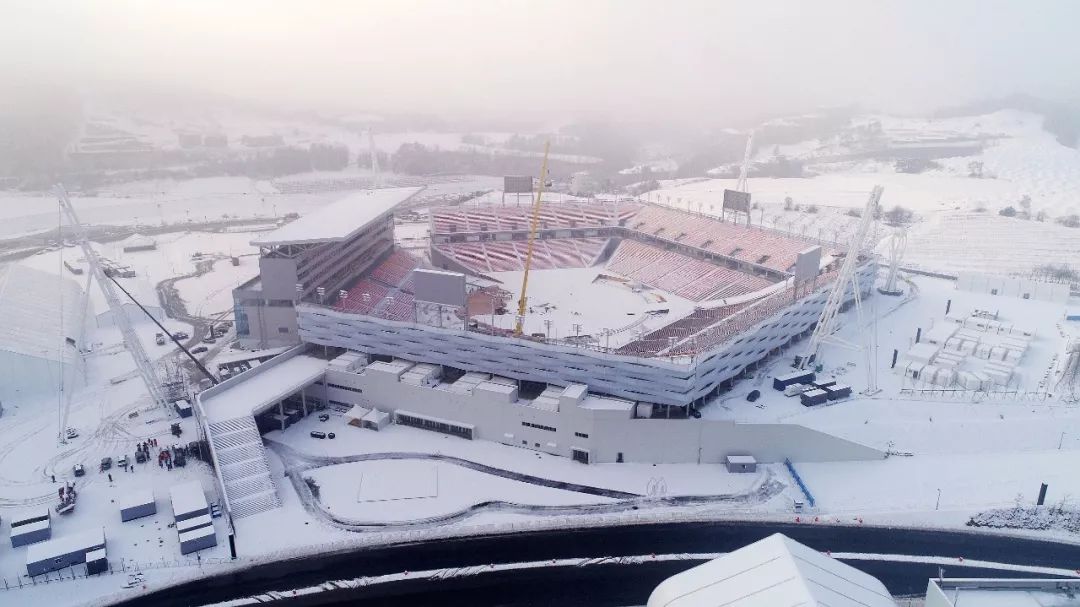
<point x="826" y="324"/>
<point x="534" y="225"/>
<point x="143" y="364"/>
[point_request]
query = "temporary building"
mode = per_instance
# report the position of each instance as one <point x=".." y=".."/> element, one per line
<point x="774" y="572"/>
<point x="30" y="532"/>
<point x="781" y="382"/>
<point x="940" y="333"/>
<point x="197" y="539"/>
<point x="922" y="352"/>
<point x="355" y="415"/>
<point x="63" y="551"/>
<point x="197" y="522"/>
<point x="137" y="505"/>
<point x="96" y="562"/>
<point x="182" y="407"/>
<point x="741" y="463"/>
<point x="375" y="419"/>
<point x="813" y="397"/>
<point x="188" y="500"/>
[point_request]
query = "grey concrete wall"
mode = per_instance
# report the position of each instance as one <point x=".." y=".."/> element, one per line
<point x="609" y="432"/>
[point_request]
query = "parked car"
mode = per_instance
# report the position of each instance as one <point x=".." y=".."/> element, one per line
<point x="175" y="429"/>
<point x="122" y="462"/>
<point x="331" y="435"/>
<point x="78" y="470"/>
<point x="323" y="417"/>
<point x="140" y="457"/>
<point x="209" y="339"/>
<point x="159" y="339"/>
<point x="753" y="395"/>
<point x="72" y="433"/>
<point x="106" y="463"/>
<point x="198" y="350"/>
<point x="318" y="434"/>
<point x="181" y="335"/>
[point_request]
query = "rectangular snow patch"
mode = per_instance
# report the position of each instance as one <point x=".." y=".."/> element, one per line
<point x="418" y="480"/>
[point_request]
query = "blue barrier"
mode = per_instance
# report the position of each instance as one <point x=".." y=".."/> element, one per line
<point x="799" y="482"/>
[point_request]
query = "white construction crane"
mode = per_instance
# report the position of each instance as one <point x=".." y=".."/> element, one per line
<point x="143" y="364"/>
<point x="374" y="154"/>
<point x="897" y="244"/>
<point x="847" y="278"/>
<point x="744" y="170"/>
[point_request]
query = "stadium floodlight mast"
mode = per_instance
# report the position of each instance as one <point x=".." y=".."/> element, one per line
<point x="847" y="278"/>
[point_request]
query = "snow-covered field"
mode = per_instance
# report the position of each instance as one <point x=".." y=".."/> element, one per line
<point x="957" y="223"/>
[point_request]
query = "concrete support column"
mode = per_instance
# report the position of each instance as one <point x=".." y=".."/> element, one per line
<point x="303" y="400"/>
<point x="281" y="412"/>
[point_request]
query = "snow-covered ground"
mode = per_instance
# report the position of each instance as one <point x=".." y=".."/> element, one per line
<point x="573" y="296"/>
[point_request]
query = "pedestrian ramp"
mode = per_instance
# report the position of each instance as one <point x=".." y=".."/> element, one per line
<point x="244" y="469"/>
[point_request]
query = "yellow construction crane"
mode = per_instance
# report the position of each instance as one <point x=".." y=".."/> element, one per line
<point x="533" y="227"/>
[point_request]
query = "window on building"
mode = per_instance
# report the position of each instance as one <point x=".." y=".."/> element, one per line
<point x="581" y="435"/>
<point x="283" y="329"/>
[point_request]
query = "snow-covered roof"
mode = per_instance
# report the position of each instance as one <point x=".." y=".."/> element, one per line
<point x="741" y="459"/>
<point x="258" y="388"/>
<point x="33" y="305"/>
<point x="187" y="497"/>
<point x="136" y="498"/>
<point x="67" y="544"/>
<point x="339" y="220"/>
<point x="774" y="572"/>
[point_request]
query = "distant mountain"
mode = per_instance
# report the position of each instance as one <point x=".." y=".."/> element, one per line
<point x="1061" y="119"/>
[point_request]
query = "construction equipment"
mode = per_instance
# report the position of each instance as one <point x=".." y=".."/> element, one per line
<point x="897" y="244"/>
<point x="131" y="339"/>
<point x="847" y="278"/>
<point x="533" y="227"/>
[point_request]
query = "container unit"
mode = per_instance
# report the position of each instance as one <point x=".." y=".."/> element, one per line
<point x="96" y="562"/>
<point x="197" y="522"/>
<point x="838" y="391"/>
<point x="137" y="505"/>
<point x="30" y="533"/>
<point x="814" y="397"/>
<point x="188" y="500"/>
<point x="63" y="551"/>
<point x="741" y="463"/>
<point x="197" y="539"/>
<point x="183" y="408"/>
<point x="30" y="527"/>
<point x="798" y="377"/>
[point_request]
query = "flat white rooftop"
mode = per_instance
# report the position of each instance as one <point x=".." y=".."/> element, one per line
<point x="339" y="220"/>
<point x="67" y="544"/>
<point x="256" y="389"/>
<point x="187" y="497"/>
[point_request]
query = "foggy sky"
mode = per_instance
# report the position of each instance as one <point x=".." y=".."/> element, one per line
<point x="635" y="59"/>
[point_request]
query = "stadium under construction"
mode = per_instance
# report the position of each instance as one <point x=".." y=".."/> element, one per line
<point x="636" y="315"/>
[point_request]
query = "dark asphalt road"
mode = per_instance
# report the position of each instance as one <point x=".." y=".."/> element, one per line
<point x="631" y="581"/>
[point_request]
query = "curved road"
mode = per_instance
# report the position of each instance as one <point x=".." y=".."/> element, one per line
<point x="626" y="582"/>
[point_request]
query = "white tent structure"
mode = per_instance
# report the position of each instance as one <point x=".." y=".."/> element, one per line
<point x="41" y="331"/>
<point x="774" y="572"/>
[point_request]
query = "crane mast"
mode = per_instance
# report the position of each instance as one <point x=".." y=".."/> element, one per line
<point x="534" y="225"/>
<point x="131" y="340"/>
<point x="826" y="324"/>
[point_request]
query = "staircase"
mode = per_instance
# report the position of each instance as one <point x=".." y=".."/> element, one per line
<point x="243" y="466"/>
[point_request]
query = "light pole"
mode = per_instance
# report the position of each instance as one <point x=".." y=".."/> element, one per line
<point x="1061" y="441"/>
<point x="938" y="504"/>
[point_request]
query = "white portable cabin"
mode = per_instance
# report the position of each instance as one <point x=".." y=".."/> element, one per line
<point x="355" y="415"/>
<point x="137" y="505"/>
<point x="63" y="551"/>
<point x="940" y="333"/>
<point x="188" y="500"/>
<point x="30" y="533"/>
<point x="195" y="522"/>
<point x="30" y="527"/>
<point x="197" y="539"/>
<point x="922" y="353"/>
